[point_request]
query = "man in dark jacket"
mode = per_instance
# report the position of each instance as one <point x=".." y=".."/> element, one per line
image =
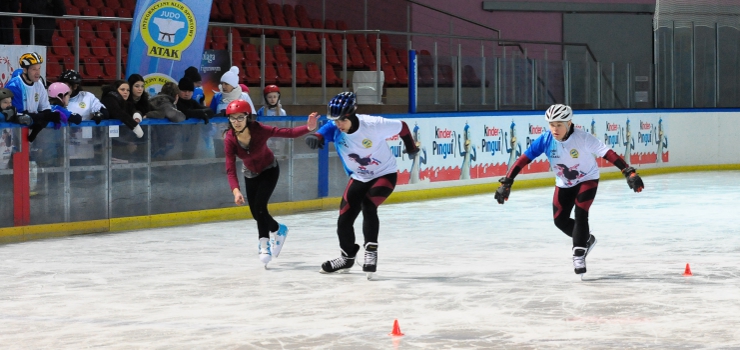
<point x="43" y="27"/>
<point x="6" y="23"/>
<point x="189" y="106"/>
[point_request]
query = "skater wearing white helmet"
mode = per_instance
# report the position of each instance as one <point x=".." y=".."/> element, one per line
<point x="571" y="154"/>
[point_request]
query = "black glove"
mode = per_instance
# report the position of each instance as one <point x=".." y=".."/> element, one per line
<point x="75" y="119"/>
<point x="503" y="191"/>
<point x="314" y="141"/>
<point x="633" y="180"/>
<point x="97" y="117"/>
<point x="11" y="116"/>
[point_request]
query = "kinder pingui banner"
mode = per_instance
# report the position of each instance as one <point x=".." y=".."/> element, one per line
<point x="167" y="37"/>
<point x="475" y="147"/>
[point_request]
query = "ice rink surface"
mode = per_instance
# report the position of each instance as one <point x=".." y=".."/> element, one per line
<point x="462" y="273"/>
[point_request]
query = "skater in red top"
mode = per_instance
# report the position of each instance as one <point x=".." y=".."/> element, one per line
<point x="247" y="139"/>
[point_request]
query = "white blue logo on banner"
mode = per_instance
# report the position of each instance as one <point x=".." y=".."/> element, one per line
<point x="167" y="37"/>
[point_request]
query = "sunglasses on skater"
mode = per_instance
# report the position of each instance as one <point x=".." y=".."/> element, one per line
<point x="238" y="118"/>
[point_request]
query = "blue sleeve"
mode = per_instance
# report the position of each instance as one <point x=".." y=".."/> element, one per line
<point x="17" y="100"/>
<point x="261" y="112"/>
<point x="214" y="102"/>
<point x="62" y="110"/>
<point x="328" y="131"/>
<point x="538" y="146"/>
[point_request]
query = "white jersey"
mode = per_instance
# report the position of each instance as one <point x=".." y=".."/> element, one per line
<point x="28" y="98"/>
<point x="571" y="160"/>
<point x="365" y="153"/>
<point x="84" y="104"/>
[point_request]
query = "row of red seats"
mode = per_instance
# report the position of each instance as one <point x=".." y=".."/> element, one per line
<point x="122" y="12"/>
<point x="446" y="76"/>
<point x="281" y="74"/>
<point x="91" y="30"/>
<point x="92" y="71"/>
<point x="112" y="4"/>
<point x="98" y="49"/>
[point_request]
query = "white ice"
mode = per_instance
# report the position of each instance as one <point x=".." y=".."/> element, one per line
<point x="456" y="273"/>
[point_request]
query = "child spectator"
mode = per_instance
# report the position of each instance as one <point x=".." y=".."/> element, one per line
<point x="198" y="95"/>
<point x="59" y="99"/>
<point x="9" y="113"/>
<point x="272" y="98"/>
<point x="190" y="107"/>
<point x="82" y="102"/>
<point x="230" y="91"/>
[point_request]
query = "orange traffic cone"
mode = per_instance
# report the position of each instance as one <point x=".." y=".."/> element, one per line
<point x="396" y="332"/>
<point x="687" y="272"/>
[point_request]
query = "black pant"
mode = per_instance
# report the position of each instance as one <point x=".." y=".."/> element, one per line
<point x="365" y="197"/>
<point x="259" y="189"/>
<point x="581" y="196"/>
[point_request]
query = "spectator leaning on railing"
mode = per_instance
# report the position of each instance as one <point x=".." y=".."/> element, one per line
<point x="114" y="99"/>
<point x="82" y="102"/>
<point x="30" y="96"/>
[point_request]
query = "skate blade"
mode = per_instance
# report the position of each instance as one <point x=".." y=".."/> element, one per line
<point x="335" y="272"/>
<point x="369" y="275"/>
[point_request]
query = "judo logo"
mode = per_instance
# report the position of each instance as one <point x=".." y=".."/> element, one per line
<point x="168" y="28"/>
<point x="364" y="163"/>
<point x="568" y="174"/>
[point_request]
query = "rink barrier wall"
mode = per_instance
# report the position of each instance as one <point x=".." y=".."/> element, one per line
<point x="34" y="232"/>
<point x="708" y="144"/>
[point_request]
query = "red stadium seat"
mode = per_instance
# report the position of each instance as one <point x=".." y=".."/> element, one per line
<point x="426" y="79"/>
<point x="401" y="75"/>
<point x="92" y="70"/>
<point x="280" y="55"/>
<point x="125" y="12"/>
<point x="253" y="73"/>
<point x="80" y="3"/>
<point x="312" y="41"/>
<point x="271" y="76"/>
<point x="104" y="30"/>
<point x="96" y="4"/>
<point x="314" y="74"/>
<point x="128" y="4"/>
<point x="73" y="11"/>
<point x="107" y="12"/>
<point x="284" y="75"/>
<point x="87" y="33"/>
<point x="250" y="52"/>
<point x="269" y="57"/>
<point x="354" y="58"/>
<point x="332" y="58"/>
<point x="330" y="24"/>
<point x="301" y="77"/>
<point x="99" y="48"/>
<point x="109" y="69"/>
<point x="390" y="76"/>
<point x="331" y="77"/>
<point x="89" y="11"/>
<point x="112" y="4"/>
<point x="60" y="48"/>
<point x="53" y="71"/>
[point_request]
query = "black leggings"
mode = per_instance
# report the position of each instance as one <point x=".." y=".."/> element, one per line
<point x="259" y="189"/>
<point x="581" y="196"/>
<point x="365" y="197"/>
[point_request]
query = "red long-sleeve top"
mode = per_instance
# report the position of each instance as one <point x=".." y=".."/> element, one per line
<point x="258" y="156"/>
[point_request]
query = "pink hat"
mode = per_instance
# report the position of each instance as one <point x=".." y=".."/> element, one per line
<point x="244" y="88"/>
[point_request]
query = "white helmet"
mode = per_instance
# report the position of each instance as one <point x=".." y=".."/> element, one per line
<point x="559" y="113"/>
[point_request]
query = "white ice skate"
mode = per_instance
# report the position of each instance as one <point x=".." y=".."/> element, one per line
<point x="278" y="239"/>
<point x="579" y="261"/>
<point x="264" y="251"/>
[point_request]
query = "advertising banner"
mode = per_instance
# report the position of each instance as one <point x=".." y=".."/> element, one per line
<point x="463" y="148"/>
<point x="167" y="37"/>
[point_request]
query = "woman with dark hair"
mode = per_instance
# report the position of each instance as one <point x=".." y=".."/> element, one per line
<point x="247" y="139"/>
<point x="139" y="98"/>
<point x="115" y="100"/>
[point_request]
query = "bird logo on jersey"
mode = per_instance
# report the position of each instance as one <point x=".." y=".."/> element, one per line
<point x="364" y="162"/>
<point x="569" y="174"/>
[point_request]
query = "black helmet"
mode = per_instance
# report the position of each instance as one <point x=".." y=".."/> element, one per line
<point x="342" y="105"/>
<point x="5" y="93"/>
<point x="71" y="76"/>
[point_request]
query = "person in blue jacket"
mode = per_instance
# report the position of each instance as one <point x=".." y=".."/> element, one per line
<point x="571" y="154"/>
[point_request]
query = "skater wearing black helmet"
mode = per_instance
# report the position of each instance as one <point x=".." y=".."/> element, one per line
<point x="360" y="142"/>
<point x="571" y="154"/>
